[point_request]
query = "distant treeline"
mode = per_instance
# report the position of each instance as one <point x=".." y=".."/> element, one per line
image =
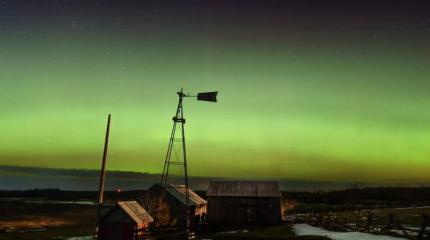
<point x="365" y="196"/>
<point x="353" y="196"/>
<point x="57" y="194"/>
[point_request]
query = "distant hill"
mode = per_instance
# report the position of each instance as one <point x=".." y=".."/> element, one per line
<point x="24" y="178"/>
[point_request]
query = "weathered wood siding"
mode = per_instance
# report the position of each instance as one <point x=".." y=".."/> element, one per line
<point x="119" y="226"/>
<point x="168" y="204"/>
<point x="244" y="210"/>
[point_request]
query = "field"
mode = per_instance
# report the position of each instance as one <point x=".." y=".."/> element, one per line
<point x="22" y="220"/>
<point x="32" y="221"/>
<point x="54" y="214"/>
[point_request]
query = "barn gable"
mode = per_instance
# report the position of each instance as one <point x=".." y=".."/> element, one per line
<point x="135" y="212"/>
<point x="178" y="192"/>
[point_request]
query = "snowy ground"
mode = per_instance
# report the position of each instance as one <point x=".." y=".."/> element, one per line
<point x="305" y="229"/>
<point x="80" y="238"/>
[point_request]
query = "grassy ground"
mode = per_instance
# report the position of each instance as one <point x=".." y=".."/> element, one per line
<point x="19" y="219"/>
<point x="33" y="221"/>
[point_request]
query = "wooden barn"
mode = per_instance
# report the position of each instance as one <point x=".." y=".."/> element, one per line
<point x="126" y="221"/>
<point x="167" y="206"/>
<point x="243" y="203"/>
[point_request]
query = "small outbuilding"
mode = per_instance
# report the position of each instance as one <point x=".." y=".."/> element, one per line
<point x="126" y="221"/>
<point x="243" y="203"/>
<point x="167" y="205"/>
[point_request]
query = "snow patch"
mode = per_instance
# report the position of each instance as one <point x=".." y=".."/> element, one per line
<point x="80" y="238"/>
<point x="306" y="229"/>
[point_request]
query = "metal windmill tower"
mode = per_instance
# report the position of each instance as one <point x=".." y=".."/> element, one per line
<point x="179" y="122"/>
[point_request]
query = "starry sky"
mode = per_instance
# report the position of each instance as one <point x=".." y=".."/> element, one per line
<point x="310" y="90"/>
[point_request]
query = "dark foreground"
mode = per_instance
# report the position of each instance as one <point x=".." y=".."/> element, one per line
<point x="55" y="214"/>
<point x="32" y="221"/>
<point x="25" y="220"/>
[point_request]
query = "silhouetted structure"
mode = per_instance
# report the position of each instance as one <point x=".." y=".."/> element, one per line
<point x="179" y="124"/>
<point x="103" y="172"/>
<point x="127" y="221"/>
<point x="167" y="206"/>
<point x="243" y="203"/>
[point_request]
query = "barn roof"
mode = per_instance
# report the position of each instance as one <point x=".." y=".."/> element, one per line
<point x="178" y="191"/>
<point x="135" y="211"/>
<point x="243" y="189"/>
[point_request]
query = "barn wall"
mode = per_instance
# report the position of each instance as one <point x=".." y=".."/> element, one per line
<point x="118" y="216"/>
<point x="117" y="226"/>
<point x="244" y="210"/>
<point x="177" y="211"/>
<point x="117" y="231"/>
<point x="171" y="206"/>
<point x="200" y="210"/>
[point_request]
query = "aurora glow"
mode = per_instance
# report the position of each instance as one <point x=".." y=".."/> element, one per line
<point x="307" y="91"/>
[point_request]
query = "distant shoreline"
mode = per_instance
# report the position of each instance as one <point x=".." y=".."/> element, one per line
<point x="27" y="178"/>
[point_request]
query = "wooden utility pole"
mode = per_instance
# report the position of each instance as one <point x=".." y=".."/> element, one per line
<point x="103" y="174"/>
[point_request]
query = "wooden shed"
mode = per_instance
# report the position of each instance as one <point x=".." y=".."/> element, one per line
<point x="167" y="206"/>
<point x="244" y="203"/>
<point x="126" y="221"/>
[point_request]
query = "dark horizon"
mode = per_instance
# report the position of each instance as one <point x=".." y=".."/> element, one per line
<point x="28" y="178"/>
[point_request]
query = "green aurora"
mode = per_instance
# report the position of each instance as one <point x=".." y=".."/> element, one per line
<point x="304" y="107"/>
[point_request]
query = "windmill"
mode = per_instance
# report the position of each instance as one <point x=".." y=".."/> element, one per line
<point x="178" y="126"/>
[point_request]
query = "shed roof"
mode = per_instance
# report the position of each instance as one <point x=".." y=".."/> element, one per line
<point x="135" y="211"/>
<point x="178" y="191"/>
<point x="243" y="189"/>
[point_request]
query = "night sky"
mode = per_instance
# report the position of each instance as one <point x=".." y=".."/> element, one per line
<point x="310" y="90"/>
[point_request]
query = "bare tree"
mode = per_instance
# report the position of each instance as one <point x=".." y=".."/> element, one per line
<point x="157" y="207"/>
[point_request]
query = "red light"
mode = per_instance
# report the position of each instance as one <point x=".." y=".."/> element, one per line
<point x="118" y="190"/>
